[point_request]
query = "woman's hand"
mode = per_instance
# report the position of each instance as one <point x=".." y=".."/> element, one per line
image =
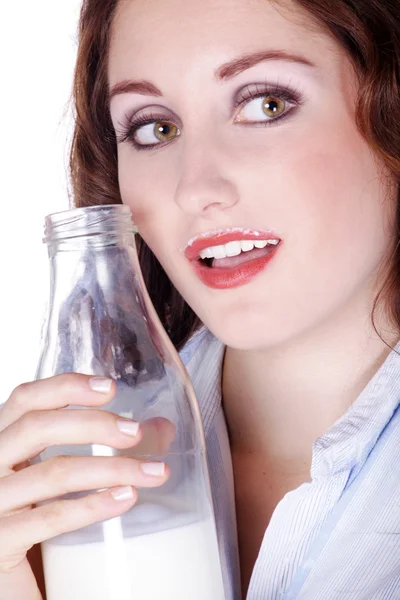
<point x="30" y="421"/>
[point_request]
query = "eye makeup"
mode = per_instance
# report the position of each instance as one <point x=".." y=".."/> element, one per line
<point x="290" y="96"/>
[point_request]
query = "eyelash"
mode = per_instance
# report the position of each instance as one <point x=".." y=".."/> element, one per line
<point x="286" y="94"/>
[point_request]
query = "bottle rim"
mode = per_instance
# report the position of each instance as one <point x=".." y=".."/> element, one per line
<point x="92" y="220"/>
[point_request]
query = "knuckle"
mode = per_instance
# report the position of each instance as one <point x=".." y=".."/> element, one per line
<point x="123" y="468"/>
<point x="91" y="502"/>
<point x="65" y="382"/>
<point x="56" y="468"/>
<point x="30" y="430"/>
<point x="33" y="420"/>
<point x="52" y="517"/>
<point x="35" y="426"/>
<point x="19" y="396"/>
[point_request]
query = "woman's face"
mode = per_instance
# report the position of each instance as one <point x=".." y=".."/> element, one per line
<point x="268" y="145"/>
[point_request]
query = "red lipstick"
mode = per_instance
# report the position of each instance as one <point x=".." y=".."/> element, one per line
<point x="251" y="263"/>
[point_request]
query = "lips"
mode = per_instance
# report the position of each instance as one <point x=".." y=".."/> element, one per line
<point x="193" y="249"/>
<point x="224" y="277"/>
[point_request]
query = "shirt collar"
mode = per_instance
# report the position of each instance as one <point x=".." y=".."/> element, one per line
<point x="348" y="442"/>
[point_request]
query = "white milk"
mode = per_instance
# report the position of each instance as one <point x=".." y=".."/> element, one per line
<point x="177" y="564"/>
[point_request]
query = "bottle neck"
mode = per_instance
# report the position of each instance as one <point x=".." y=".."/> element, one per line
<point x="97" y="307"/>
<point x="94" y="227"/>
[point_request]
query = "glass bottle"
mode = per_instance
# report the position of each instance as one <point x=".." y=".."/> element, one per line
<point x="101" y="322"/>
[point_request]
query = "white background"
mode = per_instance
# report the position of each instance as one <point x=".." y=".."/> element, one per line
<point x="38" y="42"/>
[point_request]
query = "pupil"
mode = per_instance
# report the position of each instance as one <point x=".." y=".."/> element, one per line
<point x="272" y="105"/>
<point x="164" y="129"/>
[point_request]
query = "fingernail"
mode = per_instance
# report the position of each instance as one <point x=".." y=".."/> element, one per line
<point x="128" y="427"/>
<point x="100" y="384"/>
<point x="122" y="493"/>
<point x="157" y="469"/>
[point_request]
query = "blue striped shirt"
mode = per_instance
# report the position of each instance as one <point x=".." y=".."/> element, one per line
<point x="335" y="537"/>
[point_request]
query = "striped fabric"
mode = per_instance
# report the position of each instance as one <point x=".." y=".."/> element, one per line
<point x="336" y="537"/>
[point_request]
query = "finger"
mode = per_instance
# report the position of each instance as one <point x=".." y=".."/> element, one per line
<point x="55" y="392"/>
<point x="43" y="428"/>
<point x="65" y="474"/>
<point x="20" y="532"/>
<point x="157" y="436"/>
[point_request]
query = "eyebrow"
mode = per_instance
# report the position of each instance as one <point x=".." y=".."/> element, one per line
<point x="223" y="73"/>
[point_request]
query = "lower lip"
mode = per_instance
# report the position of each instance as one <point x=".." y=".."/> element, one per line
<point x="223" y="278"/>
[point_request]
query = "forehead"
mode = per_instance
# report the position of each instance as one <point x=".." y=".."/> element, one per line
<point x="165" y="37"/>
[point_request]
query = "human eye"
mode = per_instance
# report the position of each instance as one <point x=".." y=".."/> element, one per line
<point x="145" y="132"/>
<point x="265" y="104"/>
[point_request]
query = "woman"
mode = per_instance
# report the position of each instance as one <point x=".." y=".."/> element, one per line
<point x="223" y="125"/>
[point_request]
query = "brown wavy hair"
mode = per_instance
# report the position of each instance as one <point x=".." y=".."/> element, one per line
<point x="369" y="30"/>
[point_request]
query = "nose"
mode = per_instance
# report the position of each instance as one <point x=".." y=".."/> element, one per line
<point x="203" y="186"/>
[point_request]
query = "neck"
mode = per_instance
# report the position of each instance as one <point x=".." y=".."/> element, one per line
<point x="278" y="400"/>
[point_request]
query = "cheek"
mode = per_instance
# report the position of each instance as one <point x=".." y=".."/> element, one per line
<point x="147" y="196"/>
<point x="157" y="218"/>
<point x="336" y="219"/>
<point x="327" y="193"/>
<point x="340" y="201"/>
<point x="335" y="216"/>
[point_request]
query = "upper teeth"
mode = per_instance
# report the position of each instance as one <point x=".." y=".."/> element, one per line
<point x="234" y="248"/>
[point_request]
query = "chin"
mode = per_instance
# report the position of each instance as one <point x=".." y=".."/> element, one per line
<point x="251" y="331"/>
